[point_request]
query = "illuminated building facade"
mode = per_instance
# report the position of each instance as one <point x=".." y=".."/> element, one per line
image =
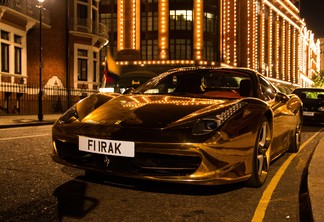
<point x="149" y="36"/>
<point x="322" y="53"/>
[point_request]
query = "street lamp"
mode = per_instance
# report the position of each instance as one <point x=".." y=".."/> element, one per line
<point x="40" y="102"/>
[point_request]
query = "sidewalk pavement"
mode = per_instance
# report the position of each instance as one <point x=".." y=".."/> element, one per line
<point x="316" y="182"/>
<point x="315" y="170"/>
<point x="7" y="121"/>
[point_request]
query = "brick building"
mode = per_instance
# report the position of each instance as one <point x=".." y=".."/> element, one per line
<point x="72" y="37"/>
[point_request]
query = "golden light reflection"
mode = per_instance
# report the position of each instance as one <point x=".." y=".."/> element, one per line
<point x="139" y="101"/>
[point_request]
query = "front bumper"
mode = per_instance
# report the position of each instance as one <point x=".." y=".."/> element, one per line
<point x="208" y="163"/>
<point x="313" y="117"/>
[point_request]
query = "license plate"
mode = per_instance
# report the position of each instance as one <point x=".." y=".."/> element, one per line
<point x="308" y="113"/>
<point x="107" y="147"/>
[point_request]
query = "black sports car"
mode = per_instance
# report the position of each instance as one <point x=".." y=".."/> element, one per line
<point x="199" y="125"/>
<point x="313" y="104"/>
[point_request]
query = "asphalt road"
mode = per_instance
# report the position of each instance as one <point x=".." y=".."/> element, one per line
<point x="34" y="188"/>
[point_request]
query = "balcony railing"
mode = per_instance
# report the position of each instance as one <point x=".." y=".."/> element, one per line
<point x="88" y="26"/>
<point x="26" y="7"/>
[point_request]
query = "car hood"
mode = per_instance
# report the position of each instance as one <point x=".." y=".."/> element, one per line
<point x="154" y="111"/>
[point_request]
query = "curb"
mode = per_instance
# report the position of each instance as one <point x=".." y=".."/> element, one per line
<point x="27" y="124"/>
<point x="316" y="182"/>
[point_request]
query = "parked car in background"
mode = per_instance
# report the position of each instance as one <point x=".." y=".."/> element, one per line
<point x="313" y="104"/>
<point x="194" y="125"/>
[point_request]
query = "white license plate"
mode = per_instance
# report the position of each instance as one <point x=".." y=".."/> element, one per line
<point x="308" y="113"/>
<point x="107" y="147"/>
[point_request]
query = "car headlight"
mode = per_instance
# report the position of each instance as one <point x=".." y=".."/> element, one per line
<point x="321" y="109"/>
<point x="205" y="126"/>
<point x="69" y="114"/>
<point x="210" y="124"/>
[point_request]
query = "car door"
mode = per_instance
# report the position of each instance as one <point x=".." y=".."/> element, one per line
<point x="283" y="117"/>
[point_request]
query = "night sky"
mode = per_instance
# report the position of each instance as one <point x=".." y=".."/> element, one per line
<point x="313" y="13"/>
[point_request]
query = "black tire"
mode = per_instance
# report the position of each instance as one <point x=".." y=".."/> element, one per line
<point x="296" y="138"/>
<point x="261" y="155"/>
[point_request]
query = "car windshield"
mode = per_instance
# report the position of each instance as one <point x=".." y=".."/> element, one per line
<point x="313" y="94"/>
<point x="200" y="83"/>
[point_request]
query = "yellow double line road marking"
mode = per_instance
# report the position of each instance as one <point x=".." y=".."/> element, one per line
<point x="265" y="199"/>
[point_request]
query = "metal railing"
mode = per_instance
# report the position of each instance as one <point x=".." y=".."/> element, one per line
<point x="22" y="99"/>
<point x="88" y="26"/>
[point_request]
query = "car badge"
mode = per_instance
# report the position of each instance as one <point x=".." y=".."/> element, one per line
<point x="106" y="161"/>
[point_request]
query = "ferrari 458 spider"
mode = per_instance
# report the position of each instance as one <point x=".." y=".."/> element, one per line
<point x="194" y="125"/>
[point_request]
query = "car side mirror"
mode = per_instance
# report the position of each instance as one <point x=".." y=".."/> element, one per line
<point x="281" y="97"/>
<point x="129" y="90"/>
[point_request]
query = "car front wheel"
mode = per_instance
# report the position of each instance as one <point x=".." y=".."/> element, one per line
<point x="261" y="155"/>
<point x="296" y="138"/>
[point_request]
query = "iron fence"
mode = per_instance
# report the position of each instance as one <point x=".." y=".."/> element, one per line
<point x="22" y="99"/>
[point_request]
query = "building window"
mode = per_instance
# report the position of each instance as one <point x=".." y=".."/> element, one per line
<point x="274" y="45"/>
<point x="82" y="11"/>
<point x="209" y="51"/>
<point x="11" y="52"/>
<point x="149" y="1"/>
<point x="209" y="22"/>
<point x="110" y="20"/>
<point x="108" y="16"/>
<point x="82" y="65"/>
<point x="4" y="51"/>
<point x="82" y="69"/>
<point x="180" y="43"/>
<point x="149" y="49"/>
<point x="181" y="19"/>
<point x="18" y="49"/>
<point x="82" y="14"/>
<point x="18" y="39"/>
<point x="149" y="30"/>
<point x="4" y="57"/>
<point x="180" y="49"/>
<point x="83" y="52"/>
<point x="149" y="21"/>
<point x="4" y="35"/>
<point x="95" y="62"/>
<point x="17" y="60"/>
<point x="266" y="39"/>
<point x="94" y="71"/>
<point x="281" y="46"/>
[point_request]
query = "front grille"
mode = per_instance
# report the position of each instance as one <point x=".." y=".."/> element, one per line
<point x="311" y="108"/>
<point x="172" y="162"/>
<point x="142" y="164"/>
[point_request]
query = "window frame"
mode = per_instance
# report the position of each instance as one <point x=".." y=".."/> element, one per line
<point x="5" y="57"/>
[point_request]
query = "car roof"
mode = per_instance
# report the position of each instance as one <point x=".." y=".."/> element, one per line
<point x="192" y="68"/>
<point x="309" y="89"/>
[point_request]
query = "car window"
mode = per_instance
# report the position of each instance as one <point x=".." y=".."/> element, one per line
<point x="312" y="94"/>
<point x="283" y="89"/>
<point x="211" y="83"/>
<point x="267" y="90"/>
